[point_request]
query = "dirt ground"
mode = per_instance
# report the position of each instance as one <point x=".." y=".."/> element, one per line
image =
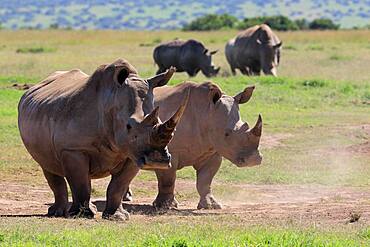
<point x="254" y="203"/>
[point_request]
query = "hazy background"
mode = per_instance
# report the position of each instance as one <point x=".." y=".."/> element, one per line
<point x="171" y="14"/>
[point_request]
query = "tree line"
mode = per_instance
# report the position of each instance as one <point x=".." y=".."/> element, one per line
<point x="278" y="22"/>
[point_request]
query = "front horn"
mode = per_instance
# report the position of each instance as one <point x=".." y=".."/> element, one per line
<point x="257" y="129"/>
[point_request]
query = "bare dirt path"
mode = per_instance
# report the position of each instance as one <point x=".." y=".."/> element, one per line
<point x="253" y="203"/>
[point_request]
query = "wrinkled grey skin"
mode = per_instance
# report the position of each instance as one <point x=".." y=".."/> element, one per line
<point x="209" y="129"/>
<point x="253" y="50"/>
<point x="79" y="127"/>
<point x="186" y="56"/>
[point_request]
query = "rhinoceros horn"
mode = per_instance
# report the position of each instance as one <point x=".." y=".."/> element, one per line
<point x="151" y="118"/>
<point x="257" y="129"/>
<point x="163" y="132"/>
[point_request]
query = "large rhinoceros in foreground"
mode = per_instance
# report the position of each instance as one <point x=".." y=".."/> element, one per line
<point x="256" y="48"/>
<point x="190" y="56"/>
<point x="82" y="127"/>
<point x="209" y="129"/>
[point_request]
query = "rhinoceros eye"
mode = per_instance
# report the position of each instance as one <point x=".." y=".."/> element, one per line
<point x="128" y="126"/>
<point x="227" y="133"/>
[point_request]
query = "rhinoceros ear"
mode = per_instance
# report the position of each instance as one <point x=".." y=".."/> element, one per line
<point x="121" y="74"/>
<point x="213" y="52"/>
<point x="161" y="79"/>
<point x="278" y="45"/>
<point x="243" y="97"/>
<point x="215" y="94"/>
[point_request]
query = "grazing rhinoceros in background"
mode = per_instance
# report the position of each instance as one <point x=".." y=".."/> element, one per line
<point x="209" y="129"/>
<point x="254" y="49"/>
<point x="189" y="56"/>
<point x="82" y="127"/>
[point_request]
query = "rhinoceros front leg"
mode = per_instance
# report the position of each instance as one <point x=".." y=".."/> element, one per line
<point x="166" y="189"/>
<point x="118" y="185"/>
<point x="205" y="174"/>
<point x="59" y="187"/>
<point x="76" y="165"/>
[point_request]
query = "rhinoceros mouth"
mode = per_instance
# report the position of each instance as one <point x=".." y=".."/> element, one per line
<point x="155" y="161"/>
<point x="253" y="160"/>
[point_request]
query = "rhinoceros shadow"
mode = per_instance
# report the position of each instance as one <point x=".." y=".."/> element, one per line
<point x="147" y="209"/>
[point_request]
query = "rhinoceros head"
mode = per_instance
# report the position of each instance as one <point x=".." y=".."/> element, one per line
<point x="232" y="137"/>
<point x="138" y="133"/>
<point x="206" y="65"/>
<point x="270" y="56"/>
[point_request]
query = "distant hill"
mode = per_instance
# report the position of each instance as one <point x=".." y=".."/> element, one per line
<point x="170" y="14"/>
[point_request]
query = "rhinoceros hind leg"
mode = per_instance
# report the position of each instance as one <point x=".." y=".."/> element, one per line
<point x="76" y="166"/>
<point x="166" y="186"/>
<point x="205" y="173"/>
<point x="59" y="187"/>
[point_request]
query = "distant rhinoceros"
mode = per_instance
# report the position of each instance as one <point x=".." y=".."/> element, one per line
<point x="82" y="127"/>
<point x="189" y="56"/>
<point x="210" y="129"/>
<point x="255" y="49"/>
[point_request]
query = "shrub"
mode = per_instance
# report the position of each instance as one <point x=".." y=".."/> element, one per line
<point x="279" y="22"/>
<point x="37" y="49"/>
<point x="211" y="22"/>
<point x="302" y="24"/>
<point x="322" y="24"/>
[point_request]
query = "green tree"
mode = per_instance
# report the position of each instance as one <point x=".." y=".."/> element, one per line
<point x="302" y="24"/>
<point x="211" y="22"/>
<point x="322" y="24"/>
<point x="278" y="22"/>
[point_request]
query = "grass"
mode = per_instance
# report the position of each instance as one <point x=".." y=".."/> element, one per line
<point x="318" y="105"/>
<point x="201" y="232"/>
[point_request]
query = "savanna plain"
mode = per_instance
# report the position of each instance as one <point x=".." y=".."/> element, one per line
<point x="312" y="189"/>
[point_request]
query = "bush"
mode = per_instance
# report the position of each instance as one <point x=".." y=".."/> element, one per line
<point x="322" y="24"/>
<point x="302" y="24"/>
<point x="279" y="22"/>
<point x="37" y="49"/>
<point x="211" y="22"/>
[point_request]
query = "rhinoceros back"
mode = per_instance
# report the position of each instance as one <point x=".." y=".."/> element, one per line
<point x="42" y="106"/>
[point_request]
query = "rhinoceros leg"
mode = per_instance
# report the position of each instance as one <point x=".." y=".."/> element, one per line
<point x="205" y="174"/>
<point x="166" y="189"/>
<point x="59" y="187"/>
<point x="76" y="166"/>
<point x="245" y="71"/>
<point x="160" y="70"/>
<point x="118" y="185"/>
<point x="233" y="71"/>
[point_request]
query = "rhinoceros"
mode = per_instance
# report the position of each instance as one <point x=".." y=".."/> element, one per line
<point x="210" y="128"/>
<point x="254" y="49"/>
<point x="82" y="127"/>
<point x="190" y="56"/>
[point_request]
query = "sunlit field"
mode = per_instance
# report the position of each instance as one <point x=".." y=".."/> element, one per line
<point x="314" y="180"/>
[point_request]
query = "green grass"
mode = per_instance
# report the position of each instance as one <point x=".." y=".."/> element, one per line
<point x="200" y="232"/>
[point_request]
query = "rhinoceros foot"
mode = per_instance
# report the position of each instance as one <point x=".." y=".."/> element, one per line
<point x="57" y="211"/>
<point x="119" y="215"/>
<point x="88" y="210"/>
<point x="208" y="202"/>
<point x="128" y="196"/>
<point x="165" y="202"/>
